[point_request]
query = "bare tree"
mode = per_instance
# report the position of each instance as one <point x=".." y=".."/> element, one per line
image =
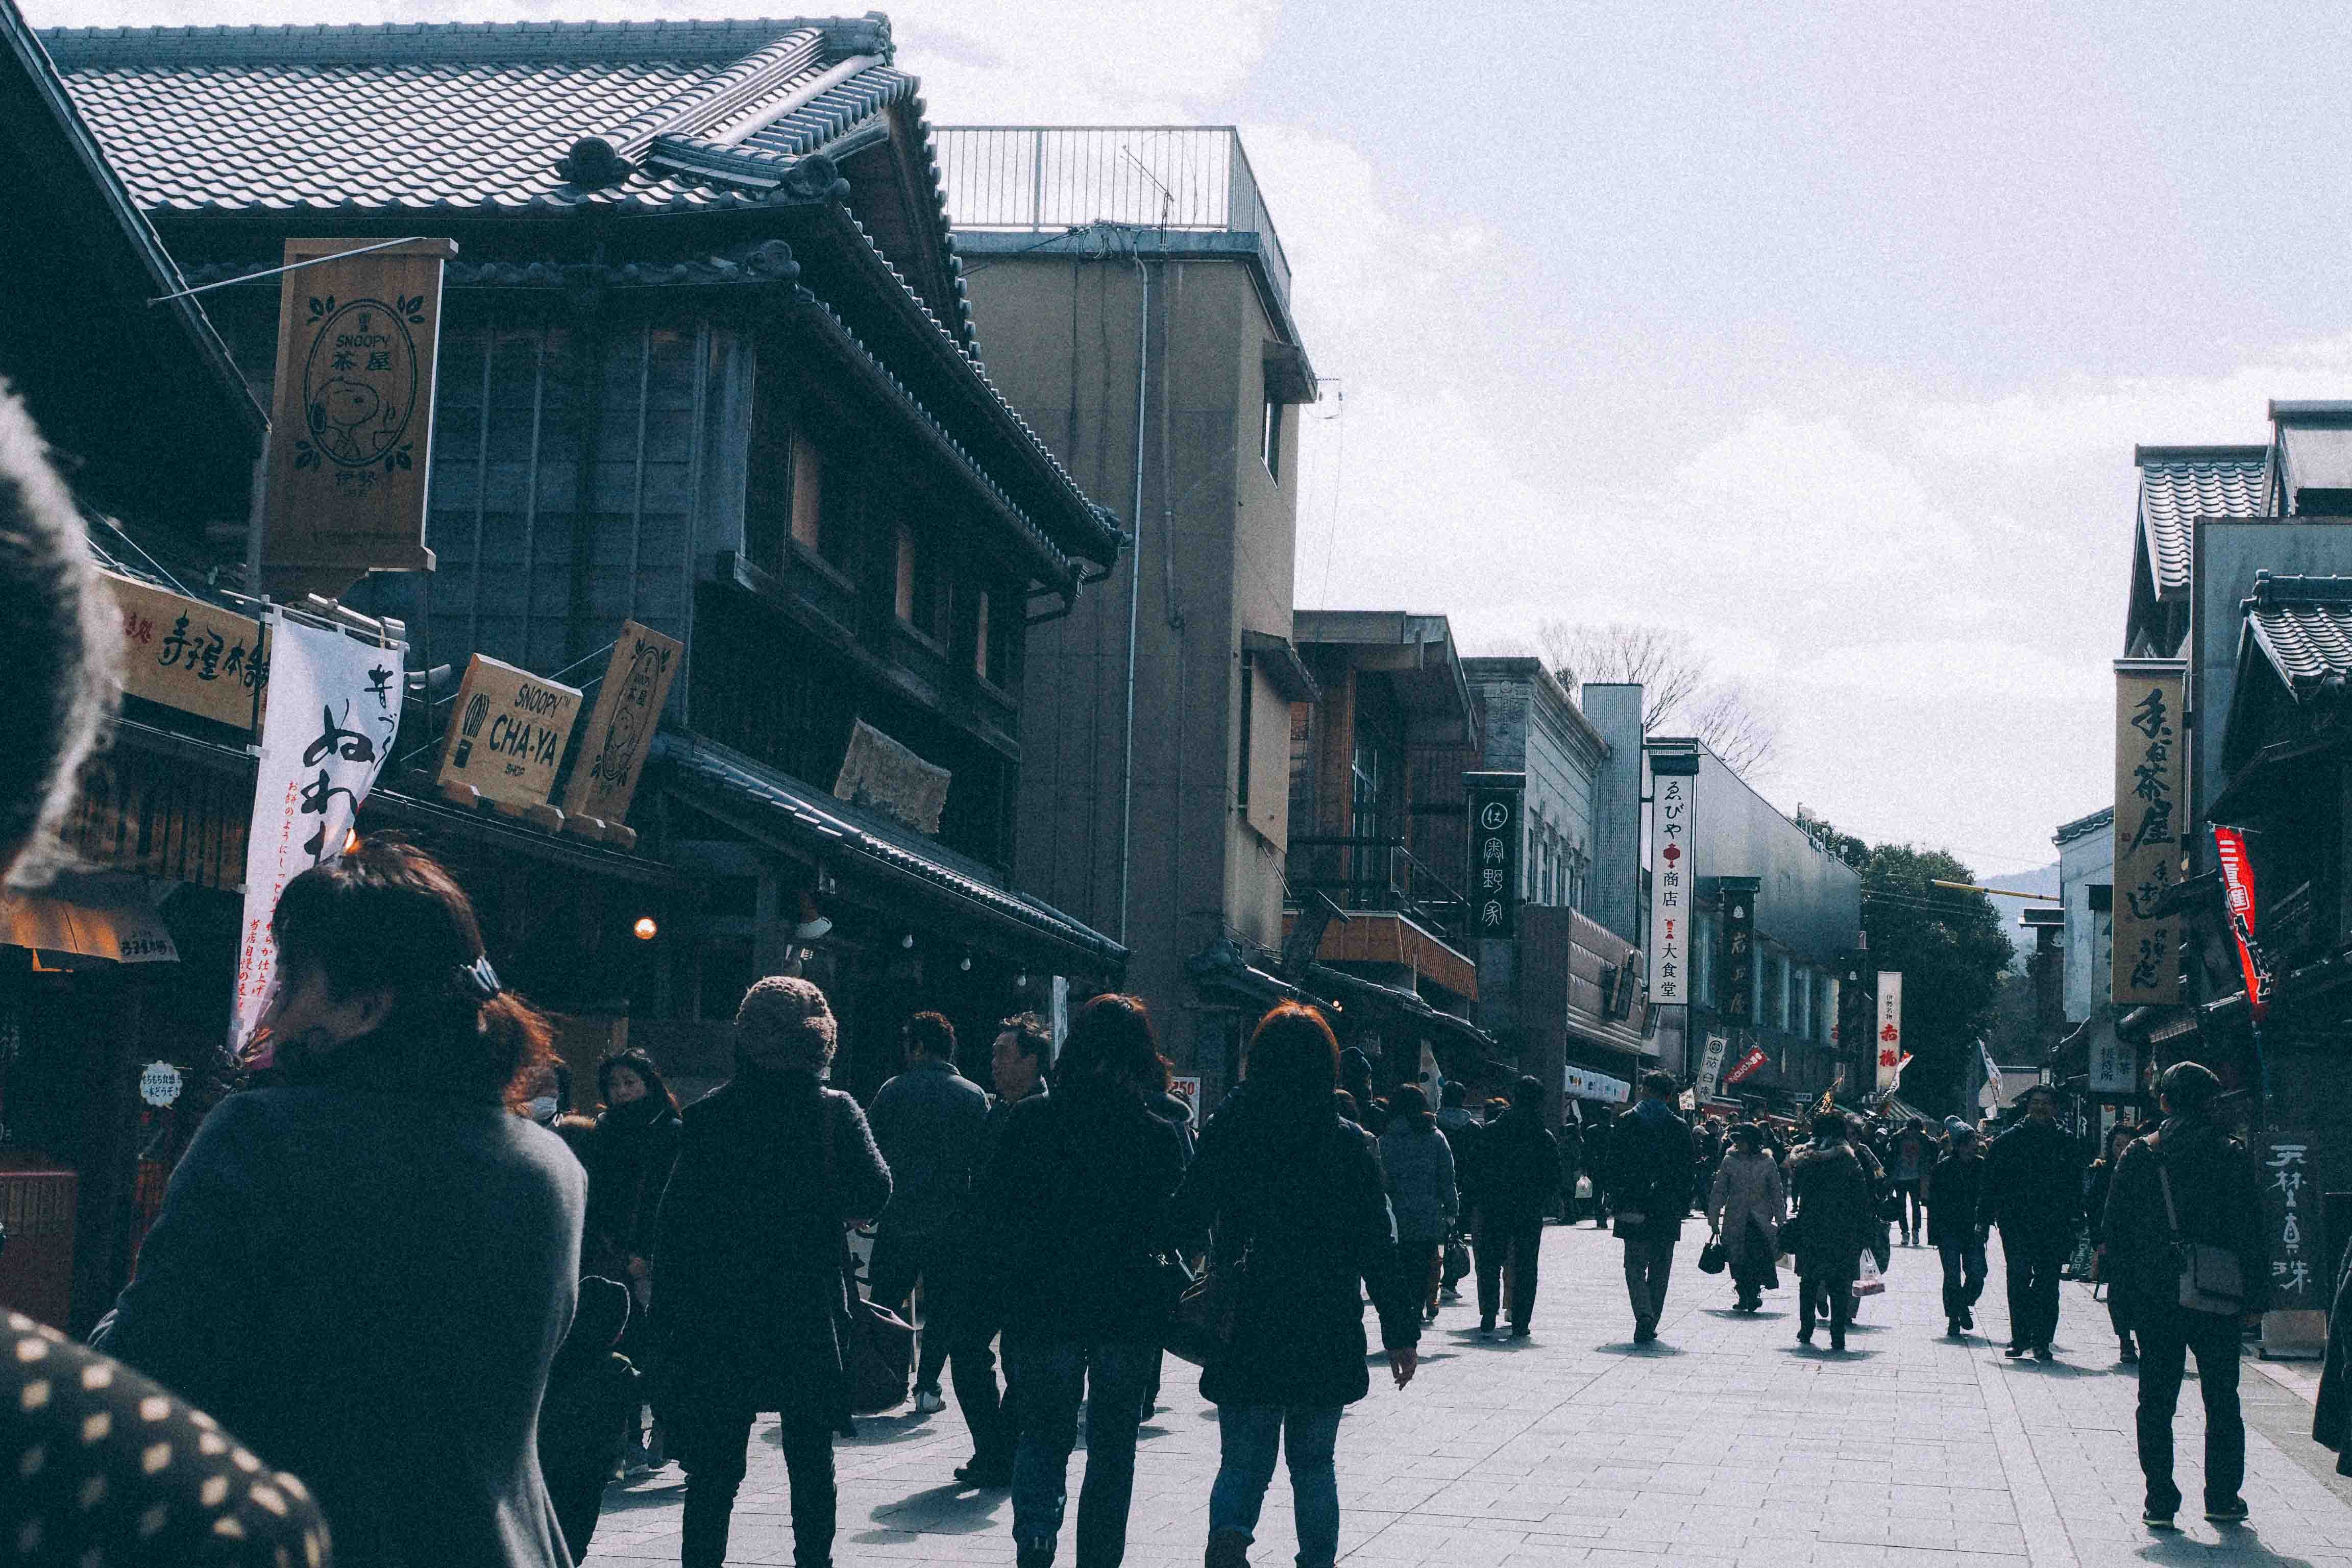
<point x="1678" y="686"/>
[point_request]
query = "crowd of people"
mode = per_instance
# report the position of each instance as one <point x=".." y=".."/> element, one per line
<point x="401" y="1307"/>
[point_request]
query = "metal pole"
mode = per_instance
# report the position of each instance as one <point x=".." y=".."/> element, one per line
<point x="1134" y="593"/>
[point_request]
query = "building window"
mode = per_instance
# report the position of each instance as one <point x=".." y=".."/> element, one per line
<point x="921" y="596"/>
<point x="1269" y="439"/>
<point x="808" y="492"/>
<point x="1801" y="993"/>
<point x="1364" y="793"/>
<point x="1702" y="958"/>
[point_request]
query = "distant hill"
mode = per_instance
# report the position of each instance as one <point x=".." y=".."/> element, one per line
<point x="2044" y="880"/>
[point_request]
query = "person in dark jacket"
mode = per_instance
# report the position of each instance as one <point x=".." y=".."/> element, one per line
<point x="2034" y="1192"/>
<point x="1514" y="1171"/>
<point x="928" y="1123"/>
<point x="627" y="1153"/>
<point x="2331" y="1420"/>
<point x="2098" y="1183"/>
<point x="1292" y="1199"/>
<point x="1954" y="1189"/>
<point x="1071" y="1216"/>
<point x="2188" y="1183"/>
<point x="1023" y="1053"/>
<point x="1569" y="1139"/>
<point x="1356" y="1078"/>
<point x="1417" y="1165"/>
<point x="1835" y="1217"/>
<point x="1653" y="1163"/>
<point x="1910" y="1158"/>
<point x="592" y="1393"/>
<point x="749" y="1268"/>
<point x="353" y="1266"/>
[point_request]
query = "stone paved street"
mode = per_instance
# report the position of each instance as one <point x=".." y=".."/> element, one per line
<point x="1726" y="1443"/>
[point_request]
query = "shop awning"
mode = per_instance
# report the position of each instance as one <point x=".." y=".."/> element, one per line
<point x="1220" y="969"/>
<point x="95" y="916"/>
<point x="1408" y="1009"/>
<point x="788" y="815"/>
<point x="2274" y="778"/>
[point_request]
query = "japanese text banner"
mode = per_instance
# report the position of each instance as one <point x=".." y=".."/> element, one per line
<point x="2151" y="808"/>
<point x="334" y="708"/>
<point x="1671" y="872"/>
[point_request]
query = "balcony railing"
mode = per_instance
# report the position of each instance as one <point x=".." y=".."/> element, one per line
<point x="1379" y="874"/>
<point x="1045" y="179"/>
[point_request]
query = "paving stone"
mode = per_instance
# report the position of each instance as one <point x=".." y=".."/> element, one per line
<point x="1726" y="1446"/>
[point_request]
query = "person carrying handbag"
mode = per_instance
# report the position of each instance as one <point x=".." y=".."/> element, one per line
<point x="749" y="1302"/>
<point x="2188" y="1253"/>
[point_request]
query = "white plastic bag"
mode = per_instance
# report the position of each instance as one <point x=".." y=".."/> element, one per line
<point x="1584" y="1189"/>
<point x="1869" y="1282"/>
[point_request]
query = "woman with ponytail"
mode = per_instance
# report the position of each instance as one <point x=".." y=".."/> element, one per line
<point x="366" y="1268"/>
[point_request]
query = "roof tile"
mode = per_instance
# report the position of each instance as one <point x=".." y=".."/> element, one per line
<point x="2178" y="485"/>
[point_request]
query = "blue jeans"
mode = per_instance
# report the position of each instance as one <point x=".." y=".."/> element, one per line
<point x="1308" y="1434"/>
<point x="1049" y="1378"/>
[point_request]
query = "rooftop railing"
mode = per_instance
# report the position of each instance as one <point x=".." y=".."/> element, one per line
<point x="1379" y="874"/>
<point x="1048" y="179"/>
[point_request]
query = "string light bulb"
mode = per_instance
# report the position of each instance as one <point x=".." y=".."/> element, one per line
<point x="907" y="940"/>
<point x="646" y="928"/>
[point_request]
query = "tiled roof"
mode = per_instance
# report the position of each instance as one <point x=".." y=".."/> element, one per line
<point x="2304" y="626"/>
<point x="2070" y="831"/>
<point x="515" y="120"/>
<point x="818" y="821"/>
<point x="2179" y="484"/>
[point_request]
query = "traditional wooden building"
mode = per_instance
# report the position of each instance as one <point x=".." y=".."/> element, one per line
<point x="706" y="365"/>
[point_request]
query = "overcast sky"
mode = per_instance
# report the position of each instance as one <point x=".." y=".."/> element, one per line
<point x="1821" y="331"/>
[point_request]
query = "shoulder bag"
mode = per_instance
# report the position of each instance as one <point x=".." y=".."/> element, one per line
<point x="2210" y="1279"/>
<point x="878" y="1346"/>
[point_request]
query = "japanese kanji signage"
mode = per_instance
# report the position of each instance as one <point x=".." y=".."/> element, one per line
<point x="2238" y="883"/>
<point x="2299" y="1281"/>
<point x="351" y="441"/>
<point x="1496" y="841"/>
<point x="2151" y="814"/>
<point x="1888" y="1045"/>
<point x="1749" y="1064"/>
<point x="1672" y="873"/>
<point x="2113" y="1063"/>
<point x="1734" y="1001"/>
<point x="1710" y="1071"/>
<point x="507" y="734"/>
<point x="334" y="709"/>
<point x="886" y="775"/>
<point x="621" y="728"/>
<point x="187" y="654"/>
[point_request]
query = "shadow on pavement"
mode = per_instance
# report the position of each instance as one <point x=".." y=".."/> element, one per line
<point x="940" y="1511"/>
<point x="872" y="1431"/>
<point x="1627" y="1347"/>
<point x="2239" y="1544"/>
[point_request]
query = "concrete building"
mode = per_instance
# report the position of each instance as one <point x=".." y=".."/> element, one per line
<point x="1553" y="992"/>
<point x="1805" y="906"/>
<point x="1136" y="304"/>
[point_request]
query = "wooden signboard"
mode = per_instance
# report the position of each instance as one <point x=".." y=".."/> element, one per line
<point x="2151" y="824"/>
<point x="621" y="728"/>
<point x="882" y="776"/>
<point x="189" y="654"/>
<point x="507" y="737"/>
<point x="351" y="443"/>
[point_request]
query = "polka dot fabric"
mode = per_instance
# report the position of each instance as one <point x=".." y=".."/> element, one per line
<point x="101" y="1468"/>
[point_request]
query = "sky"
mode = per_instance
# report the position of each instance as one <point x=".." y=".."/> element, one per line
<point x="1821" y="334"/>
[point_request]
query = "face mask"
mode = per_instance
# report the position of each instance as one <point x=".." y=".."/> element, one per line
<point x="542" y="1109"/>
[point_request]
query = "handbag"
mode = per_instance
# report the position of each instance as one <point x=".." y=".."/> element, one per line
<point x="1711" y="1259"/>
<point x="1793" y="1231"/>
<point x="878" y="1346"/>
<point x="1868" y="1280"/>
<point x="1201" y="1326"/>
<point x="2211" y="1278"/>
<point x="1457" y="1257"/>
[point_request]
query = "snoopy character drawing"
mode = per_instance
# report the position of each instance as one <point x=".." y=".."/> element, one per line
<point x="340" y="416"/>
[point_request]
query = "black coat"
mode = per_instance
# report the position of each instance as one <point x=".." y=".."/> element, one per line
<point x="1514" y="1171"/>
<point x="2216" y="1192"/>
<point x="628" y="1157"/>
<point x="1955" y="1190"/>
<point x="1836" y="1216"/>
<point x="1071" y="1215"/>
<point x="1652" y="1163"/>
<point x="1300" y="1194"/>
<point x="2032" y="1187"/>
<point x="748" y="1250"/>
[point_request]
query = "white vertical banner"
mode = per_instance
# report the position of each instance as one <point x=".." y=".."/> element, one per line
<point x="333" y="714"/>
<point x="1890" y="1029"/>
<point x="1671" y="871"/>
<point x="1710" y="1070"/>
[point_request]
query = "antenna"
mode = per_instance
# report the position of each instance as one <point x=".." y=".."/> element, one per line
<point x="1167" y="196"/>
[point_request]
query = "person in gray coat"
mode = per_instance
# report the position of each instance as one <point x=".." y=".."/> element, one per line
<point x="367" y="1269"/>
<point x="1744" y="1208"/>
<point x="929" y="1122"/>
<point x="1417" y="1163"/>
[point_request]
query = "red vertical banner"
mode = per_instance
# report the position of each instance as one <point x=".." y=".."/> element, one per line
<point x="2238" y="882"/>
